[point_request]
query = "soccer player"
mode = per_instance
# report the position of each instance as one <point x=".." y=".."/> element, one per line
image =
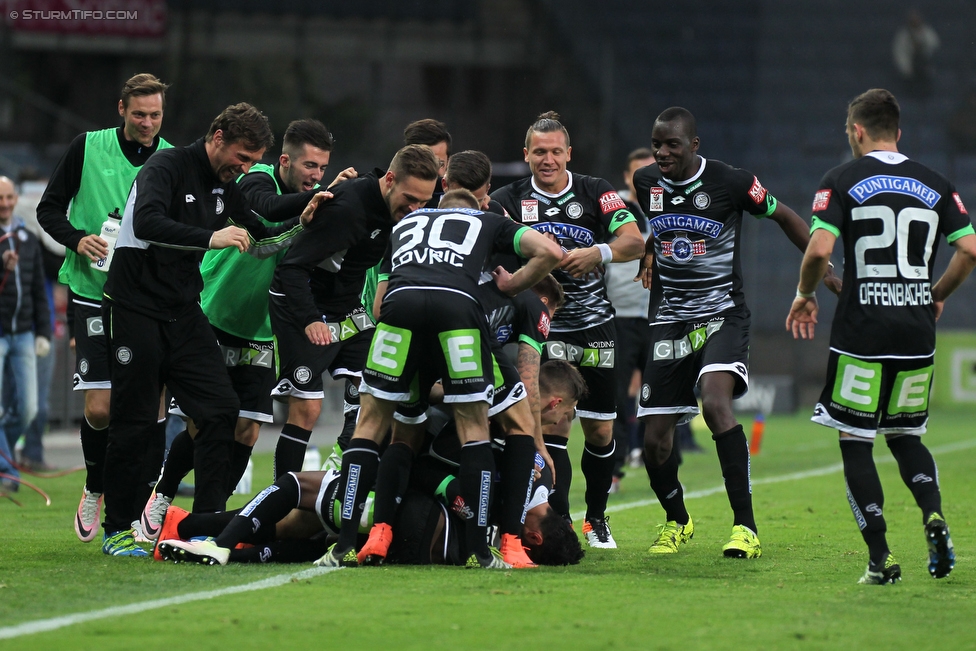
<point x="581" y="213"/>
<point x="75" y="204"/>
<point x="430" y="316"/>
<point x="176" y="210"/>
<point x="316" y="308"/>
<point x="889" y="210"/>
<point x="699" y="320"/>
<point x="235" y="300"/>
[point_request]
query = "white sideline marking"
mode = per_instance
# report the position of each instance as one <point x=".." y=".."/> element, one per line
<point x="793" y="476"/>
<point x="43" y="625"/>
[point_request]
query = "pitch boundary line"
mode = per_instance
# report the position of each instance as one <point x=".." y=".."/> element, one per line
<point x="54" y="623"/>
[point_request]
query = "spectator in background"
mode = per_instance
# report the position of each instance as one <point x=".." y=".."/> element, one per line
<point x="23" y="312"/>
<point x="912" y="51"/>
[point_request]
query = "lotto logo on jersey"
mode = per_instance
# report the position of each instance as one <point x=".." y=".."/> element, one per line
<point x="543" y="326"/>
<point x="821" y="200"/>
<point x="962" y="208"/>
<point x="530" y="211"/>
<point x="611" y="201"/>
<point x="757" y="191"/>
<point x="656" y="202"/>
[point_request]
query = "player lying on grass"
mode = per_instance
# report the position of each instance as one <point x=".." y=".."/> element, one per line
<point x="295" y="519"/>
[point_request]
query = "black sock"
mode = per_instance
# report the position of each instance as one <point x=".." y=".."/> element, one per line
<point x="290" y="450"/>
<point x="282" y="551"/>
<point x="667" y="488"/>
<point x="360" y="462"/>
<point x="559" y="497"/>
<point x="179" y="463"/>
<point x="392" y="479"/>
<point x="239" y="456"/>
<point x="93" y="444"/>
<point x="262" y="513"/>
<point x="476" y="474"/>
<point x="204" y="524"/>
<point x="152" y="462"/>
<point x="350" y="414"/>
<point x="515" y="490"/>
<point x="597" y="467"/>
<point x="919" y="473"/>
<point x="733" y="455"/>
<point x="865" y="495"/>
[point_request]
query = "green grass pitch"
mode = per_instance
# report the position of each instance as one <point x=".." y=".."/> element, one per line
<point x="802" y="594"/>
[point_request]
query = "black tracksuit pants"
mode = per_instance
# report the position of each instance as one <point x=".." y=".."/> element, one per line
<point x="144" y="354"/>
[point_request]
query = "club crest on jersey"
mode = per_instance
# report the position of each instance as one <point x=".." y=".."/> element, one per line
<point x="694" y="223"/>
<point x="681" y="249"/>
<point x="656" y="203"/>
<point x="757" y="192"/>
<point x="821" y="200"/>
<point x="883" y="183"/>
<point x="574" y="210"/>
<point x="611" y="201"/>
<point x="701" y="200"/>
<point x="220" y="205"/>
<point x="530" y="210"/>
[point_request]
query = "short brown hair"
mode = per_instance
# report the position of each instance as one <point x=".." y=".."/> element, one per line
<point x="306" y="132"/>
<point x="427" y="132"/>
<point x="559" y="376"/>
<point x="877" y="111"/>
<point x="142" y="85"/>
<point x="470" y="169"/>
<point x="546" y="123"/>
<point x="458" y="199"/>
<point x="244" y="124"/>
<point x="550" y="288"/>
<point x="417" y="161"/>
<point x="641" y="153"/>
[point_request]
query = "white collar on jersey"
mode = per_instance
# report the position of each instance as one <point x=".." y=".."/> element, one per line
<point x="569" y="186"/>
<point x="701" y="170"/>
<point x="889" y="157"/>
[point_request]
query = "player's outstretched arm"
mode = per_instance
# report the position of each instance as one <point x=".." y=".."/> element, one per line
<point x="543" y="256"/>
<point x="797" y="231"/>
<point x="803" y="313"/>
<point x="961" y="264"/>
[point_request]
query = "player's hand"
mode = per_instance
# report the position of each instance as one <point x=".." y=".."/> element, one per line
<point x="318" y="333"/>
<point x="92" y="247"/>
<point x="503" y="279"/>
<point x="581" y="261"/>
<point x="10" y="260"/>
<point x="345" y="175"/>
<point x="938" y="305"/>
<point x="832" y="281"/>
<point x="230" y="236"/>
<point x="544" y="453"/>
<point x="42" y="346"/>
<point x="71" y="344"/>
<point x="313" y="205"/>
<point x="646" y="272"/>
<point x="802" y="317"/>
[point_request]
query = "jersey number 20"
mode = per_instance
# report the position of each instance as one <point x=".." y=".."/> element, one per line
<point x="895" y="231"/>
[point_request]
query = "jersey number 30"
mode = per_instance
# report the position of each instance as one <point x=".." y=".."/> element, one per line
<point x="411" y="232"/>
<point x="894" y="231"/>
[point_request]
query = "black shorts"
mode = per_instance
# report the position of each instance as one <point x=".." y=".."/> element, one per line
<point x="91" y="347"/>
<point x="301" y="363"/>
<point x="508" y="384"/>
<point x="870" y="396"/>
<point x="250" y="365"/>
<point x="435" y="333"/>
<point x="681" y="352"/>
<point x="593" y="351"/>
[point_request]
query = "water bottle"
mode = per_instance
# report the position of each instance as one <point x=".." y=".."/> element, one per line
<point x="110" y="233"/>
<point x="244" y="485"/>
<point x="758" y="428"/>
<point x="313" y="459"/>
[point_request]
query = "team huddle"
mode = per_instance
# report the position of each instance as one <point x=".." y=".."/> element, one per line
<point x="470" y="329"/>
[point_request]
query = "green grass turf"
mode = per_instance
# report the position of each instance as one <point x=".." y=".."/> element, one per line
<point x="801" y="594"/>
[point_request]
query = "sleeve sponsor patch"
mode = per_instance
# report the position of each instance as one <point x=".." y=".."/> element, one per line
<point x="821" y="200"/>
<point x="610" y="202"/>
<point x="757" y="192"/>
<point x="962" y="208"/>
<point x="543" y="326"/>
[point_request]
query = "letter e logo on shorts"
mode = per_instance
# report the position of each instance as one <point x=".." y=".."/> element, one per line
<point x="388" y="351"/>
<point x="857" y="384"/>
<point x="462" y="352"/>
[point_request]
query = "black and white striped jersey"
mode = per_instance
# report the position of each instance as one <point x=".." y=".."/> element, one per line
<point x="696" y="227"/>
